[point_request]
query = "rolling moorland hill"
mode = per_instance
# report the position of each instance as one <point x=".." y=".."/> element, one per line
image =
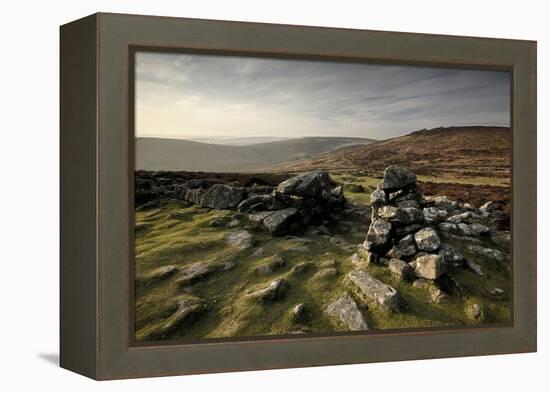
<point x="157" y="154"/>
<point x="453" y="153"/>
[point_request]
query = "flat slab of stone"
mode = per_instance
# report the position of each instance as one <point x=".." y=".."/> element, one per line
<point x="240" y="239"/>
<point x="372" y="290"/>
<point x="486" y="252"/>
<point x="346" y="311"/>
<point x="194" y="273"/>
<point x="221" y="196"/>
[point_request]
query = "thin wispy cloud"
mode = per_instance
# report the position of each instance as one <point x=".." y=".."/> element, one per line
<point x="179" y="95"/>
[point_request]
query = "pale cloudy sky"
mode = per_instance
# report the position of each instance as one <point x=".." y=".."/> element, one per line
<point x="181" y="95"/>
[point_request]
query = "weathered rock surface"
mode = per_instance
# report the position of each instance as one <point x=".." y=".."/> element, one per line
<point x="240" y="239"/>
<point x="194" y="273"/>
<point x="156" y="275"/>
<point x="458" y="218"/>
<point x="396" y="177"/>
<point x="486" y="252"/>
<point x="279" y="219"/>
<point x="433" y="215"/>
<point x="186" y="310"/>
<point x="325" y="273"/>
<point x="379" y="233"/>
<point x="426" y="239"/>
<point x="221" y="196"/>
<point x="346" y="311"/>
<point x="309" y="184"/>
<point x="378" y="197"/>
<point x="430" y="266"/>
<point x="275" y="290"/>
<point x="450" y="255"/>
<point x="400" y="268"/>
<point x="372" y="290"/>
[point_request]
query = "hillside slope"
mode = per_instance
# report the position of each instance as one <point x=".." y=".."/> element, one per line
<point x="451" y="152"/>
<point x="175" y="155"/>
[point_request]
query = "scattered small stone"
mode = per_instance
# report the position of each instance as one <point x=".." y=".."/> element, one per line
<point x="156" y="275"/>
<point x="275" y="290"/>
<point x="194" y="273"/>
<point x="325" y="273"/>
<point x="476" y="268"/>
<point x="437" y="295"/>
<point x="240" y="239"/>
<point x="497" y="292"/>
<point x="328" y="263"/>
<point x="474" y="312"/>
<point x="301" y="267"/>
<point x="234" y="223"/>
<point x="299" y="313"/>
<point x="346" y="311"/>
<point x="229" y="265"/>
<point x="186" y="309"/>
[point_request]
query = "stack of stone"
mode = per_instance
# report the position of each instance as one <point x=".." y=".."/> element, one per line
<point x="400" y="236"/>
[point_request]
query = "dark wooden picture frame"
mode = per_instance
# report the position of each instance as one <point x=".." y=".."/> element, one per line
<point x="97" y="194"/>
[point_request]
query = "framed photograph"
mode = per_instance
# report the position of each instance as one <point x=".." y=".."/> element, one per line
<point x="242" y="196"/>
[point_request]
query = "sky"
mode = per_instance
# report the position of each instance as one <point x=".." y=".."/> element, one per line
<point x="188" y="95"/>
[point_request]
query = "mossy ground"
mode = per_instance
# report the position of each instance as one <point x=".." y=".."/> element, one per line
<point x="180" y="235"/>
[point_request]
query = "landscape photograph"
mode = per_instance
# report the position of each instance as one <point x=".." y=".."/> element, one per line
<point x="298" y="197"/>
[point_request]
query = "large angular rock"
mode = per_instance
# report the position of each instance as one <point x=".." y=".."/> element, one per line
<point x="406" y="246"/>
<point x="345" y="310"/>
<point x="397" y="178"/>
<point x="379" y="233"/>
<point x="280" y="219"/>
<point x="221" y="196"/>
<point x="371" y="290"/>
<point x="429" y="266"/>
<point x="400" y="268"/>
<point x="378" y="197"/>
<point x="240" y="239"/>
<point x="427" y="240"/>
<point x="309" y="184"/>
<point x="195" y="196"/>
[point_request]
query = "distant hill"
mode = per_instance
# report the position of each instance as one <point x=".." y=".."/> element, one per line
<point x="446" y="151"/>
<point x="183" y="155"/>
